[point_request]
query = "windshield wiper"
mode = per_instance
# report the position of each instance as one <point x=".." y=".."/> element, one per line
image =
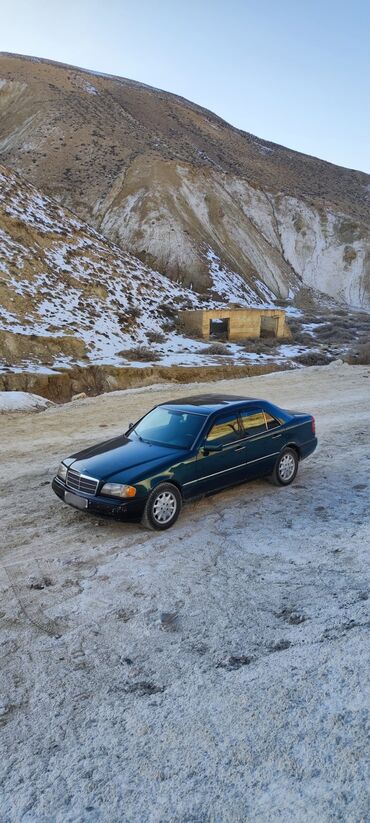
<point x="142" y="439"/>
<point x="133" y="431"/>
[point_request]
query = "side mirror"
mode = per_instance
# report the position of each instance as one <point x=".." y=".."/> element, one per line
<point x="130" y="425"/>
<point x="211" y="448"/>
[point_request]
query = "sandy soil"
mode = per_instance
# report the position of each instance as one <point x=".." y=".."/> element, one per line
<point x="217" y="672"/>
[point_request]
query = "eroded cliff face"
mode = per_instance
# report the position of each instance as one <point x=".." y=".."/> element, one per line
<point x="280" y="240"/>
<point x="168" y="180"/>
<point x="184" y="211"/>
<point x="330" y="251"/>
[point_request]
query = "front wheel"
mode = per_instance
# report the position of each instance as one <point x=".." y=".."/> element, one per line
<point x="162" y="507"/>
<point x="286" y="468"/>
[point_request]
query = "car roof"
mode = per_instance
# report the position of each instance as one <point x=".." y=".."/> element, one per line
<point x="208" y="403"/>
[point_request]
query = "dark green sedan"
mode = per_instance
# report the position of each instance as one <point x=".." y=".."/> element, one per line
<point x="182" y="450"/>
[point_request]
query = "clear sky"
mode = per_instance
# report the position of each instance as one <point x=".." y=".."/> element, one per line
<point x="296" y="72"/>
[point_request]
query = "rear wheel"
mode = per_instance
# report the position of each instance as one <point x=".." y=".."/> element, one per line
<point x="286" y="468"/>
<point x="162" y="507"/>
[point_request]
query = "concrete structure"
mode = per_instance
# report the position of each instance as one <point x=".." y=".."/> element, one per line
<point x="236" y="324"/>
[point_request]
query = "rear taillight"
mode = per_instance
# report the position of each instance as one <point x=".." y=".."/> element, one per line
<point x="313" y="425"/>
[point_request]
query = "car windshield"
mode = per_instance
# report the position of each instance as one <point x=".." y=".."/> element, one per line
<point x="168" y="428"/>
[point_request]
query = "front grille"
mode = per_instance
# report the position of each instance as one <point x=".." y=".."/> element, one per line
<point x="81" y="483"/>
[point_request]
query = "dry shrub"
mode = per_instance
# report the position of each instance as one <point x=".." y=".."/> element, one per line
<point x="313" y="359"/>
<point x="133" y="312"/>
<point x="363" y="326"/>
<point x="261" y="344"/>
<point x="311" y="318"/>
<point x="168" y="311"/>
<point x="155" y="337"/>
<point x="139" y="353"/>
<point x="303" y="338"/>
<point x="342" y="332"/>
<point x="326" y="333"/>
<point x="216" y="348"/>
<point x="359" y="355"/>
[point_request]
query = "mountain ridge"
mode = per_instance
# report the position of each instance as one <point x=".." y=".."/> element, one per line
<point x="183" y="99"/>
<point x="167" y="180"/>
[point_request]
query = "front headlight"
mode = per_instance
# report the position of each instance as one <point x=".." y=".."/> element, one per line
<point x="62" y="472"/>
<point x="118" y="490"/>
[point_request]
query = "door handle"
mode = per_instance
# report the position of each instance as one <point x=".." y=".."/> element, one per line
<point x="276" y="435"/>
<point x="239" y="448"/>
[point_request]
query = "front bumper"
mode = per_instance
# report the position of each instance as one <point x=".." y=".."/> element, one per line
<point x="101" y="505"/>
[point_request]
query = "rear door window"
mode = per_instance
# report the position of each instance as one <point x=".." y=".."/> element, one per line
<point x="271" y="421"/>
<point x="253" y="421"/>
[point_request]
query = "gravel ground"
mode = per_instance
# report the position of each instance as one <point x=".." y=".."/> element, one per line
<point x="216" y="672"/>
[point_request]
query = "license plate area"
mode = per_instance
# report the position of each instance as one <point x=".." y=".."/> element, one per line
<point x="75" y="500"/>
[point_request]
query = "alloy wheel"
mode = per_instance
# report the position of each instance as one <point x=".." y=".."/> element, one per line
<point x="164" y="507"/>
<point x="287" y="467"/>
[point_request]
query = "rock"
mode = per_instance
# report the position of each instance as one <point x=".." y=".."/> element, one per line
<point x="81" y="396"/>
<point x="169" y="621"/>
<point x="280" y="646"/>
<point x="234" y="662"/>
<point x="335" y="364"/>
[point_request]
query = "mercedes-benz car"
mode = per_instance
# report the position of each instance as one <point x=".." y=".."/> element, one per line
<point x="185" y="449"/>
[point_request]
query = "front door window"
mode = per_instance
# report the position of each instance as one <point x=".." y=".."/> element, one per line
<point x="223" y="464"/>
<point x="225" y="430"/>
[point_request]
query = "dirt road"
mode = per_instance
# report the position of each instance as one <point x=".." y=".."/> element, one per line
<point x="217" y="672"/>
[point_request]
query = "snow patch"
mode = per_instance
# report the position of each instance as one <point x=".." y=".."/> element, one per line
<point x="263" y="149"/>
<point x="90" y="89"/>
<point x="231" y="286"/>
<point x="21" y="401"/>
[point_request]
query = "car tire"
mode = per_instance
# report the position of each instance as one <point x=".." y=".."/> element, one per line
<point x="162" y="508"/>
<point x="285" y="468"/>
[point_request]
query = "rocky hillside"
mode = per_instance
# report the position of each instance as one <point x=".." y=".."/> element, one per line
<point x="68" y="295"/>
<point x="173" y="183"/>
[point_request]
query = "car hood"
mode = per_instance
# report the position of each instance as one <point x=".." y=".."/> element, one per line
<point x="120" y="454"/>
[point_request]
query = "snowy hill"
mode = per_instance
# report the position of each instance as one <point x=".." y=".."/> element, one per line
<point x="67" y="295"/>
